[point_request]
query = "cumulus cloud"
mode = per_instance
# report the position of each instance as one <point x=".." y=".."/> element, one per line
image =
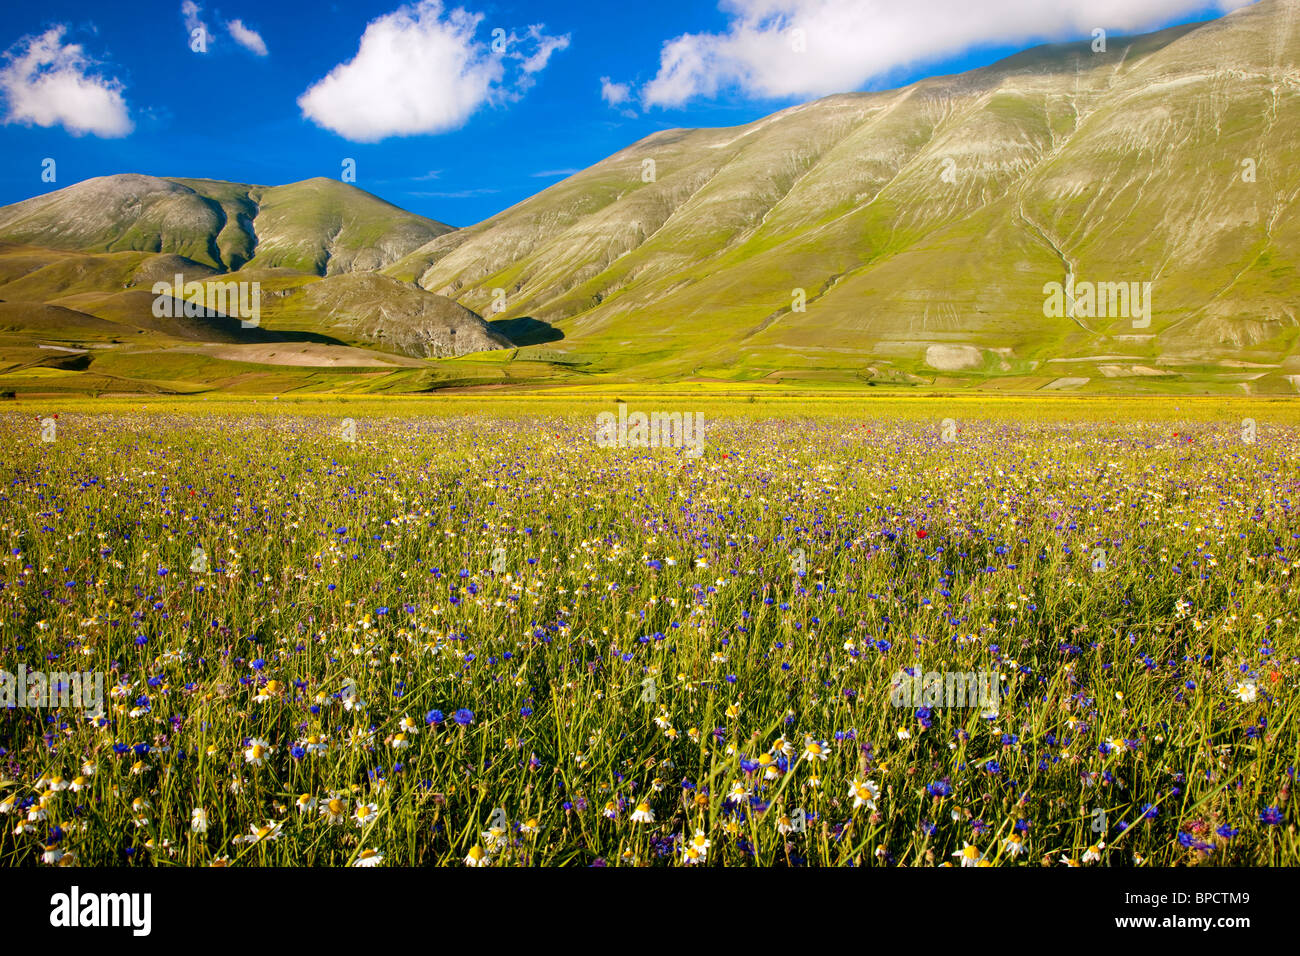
<point x="421" y="69"/>
<point x="192" y="14"/>
<point x="545" y="45"/>
<point x="532" y="52"/>
<point x="615" y="94"/>
<point x="847" y="43"/>
<point x="197" y="28"/>
<point x="249" y="39"/>
<point x="47" y="83"/>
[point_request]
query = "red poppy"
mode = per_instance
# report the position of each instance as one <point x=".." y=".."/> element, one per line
<point x="921" y="533"/>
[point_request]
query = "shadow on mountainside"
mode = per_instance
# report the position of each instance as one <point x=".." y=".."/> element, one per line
<point x="526" y="330"/>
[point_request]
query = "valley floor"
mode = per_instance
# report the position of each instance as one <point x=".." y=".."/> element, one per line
<point x="458" y="630"/>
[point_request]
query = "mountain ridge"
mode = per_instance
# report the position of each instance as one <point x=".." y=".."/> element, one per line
<point x="890" y="237"/>
<point x="216" y="223"/>
<point x="1010" y="129"/>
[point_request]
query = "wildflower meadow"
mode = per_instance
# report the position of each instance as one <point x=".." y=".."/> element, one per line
<point x="464" y="632"/>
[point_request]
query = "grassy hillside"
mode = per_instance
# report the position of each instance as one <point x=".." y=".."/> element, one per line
<point x="922" y="224"/>
<point x="895" y="240"/>
<point x="78" y="266"/>
<point x="319" y="226"/>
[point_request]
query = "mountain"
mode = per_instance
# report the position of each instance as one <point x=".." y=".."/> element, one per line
<point x="318" y="226"/>
<point x="902" y="238"/>
<point x="380" y="312"/>
<point x="78" y="267"/>
<point x="922" y="225"/>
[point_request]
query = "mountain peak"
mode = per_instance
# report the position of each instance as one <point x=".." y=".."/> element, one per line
<point x="318" y="225"/>
<point x="884" y="230"/>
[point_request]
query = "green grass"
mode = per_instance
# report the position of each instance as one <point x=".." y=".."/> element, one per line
<point x="359" y="578"/>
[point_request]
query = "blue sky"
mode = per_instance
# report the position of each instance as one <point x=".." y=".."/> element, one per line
<point x="442" y="115"/>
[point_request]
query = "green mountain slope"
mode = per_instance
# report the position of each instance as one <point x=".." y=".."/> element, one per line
<point x="78" y="265"/>
<point x="320" y="226"/>
<point x="897" y="238"/>
<point x="922" y="224"/>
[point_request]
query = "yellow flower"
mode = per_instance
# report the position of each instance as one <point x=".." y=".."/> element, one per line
<point x="970" y="855"/>
<point x="814" y="749"/>
<point x="257" y="752"/>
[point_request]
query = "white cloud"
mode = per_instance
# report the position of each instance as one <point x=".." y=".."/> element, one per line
<point x="242" y="34"/>
<point x="540" y="48"/>
<point x="457" y="194"/>
<point x="191" y="11"/>
<point x="850" y="42"/>
<point x="615" y="94"/>
<point x="422" y="70"/>
<point x="47" y="83"/>
<point x="249" y="39"/>
<point x="546" y="45"/>
<point x="193" y="16"/>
